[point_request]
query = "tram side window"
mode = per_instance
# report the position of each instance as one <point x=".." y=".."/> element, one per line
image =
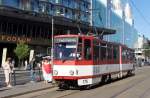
<point x="124" y="54"/>
<point x="109" y="51"/>
<point x="103" y="52"/>
<point x="80" y="40"/>
<point x="128" y="55"/>
<point x="96" y="50"/>
<point x="87" y="49"/>
<point x="115" y="53"/>
<point x="132" y="56"/>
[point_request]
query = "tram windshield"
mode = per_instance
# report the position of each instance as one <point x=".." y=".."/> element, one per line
<point x="65" y="48"/>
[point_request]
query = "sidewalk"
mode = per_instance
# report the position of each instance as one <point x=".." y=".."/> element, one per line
<point x="6" y="92"/>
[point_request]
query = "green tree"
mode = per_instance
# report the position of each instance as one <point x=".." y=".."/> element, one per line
<point x="147" y="50"/>
<point x="22" y="51"/>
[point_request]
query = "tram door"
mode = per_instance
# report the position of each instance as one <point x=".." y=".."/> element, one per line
<point x="96" y="52"/>
<point x="87" y="49"/>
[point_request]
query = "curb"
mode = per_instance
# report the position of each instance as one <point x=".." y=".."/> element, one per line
<point x="27" y="92"/>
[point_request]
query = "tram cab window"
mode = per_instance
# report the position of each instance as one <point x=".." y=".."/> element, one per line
<point x="65" y="48"/>
<point x="87" y="49"/>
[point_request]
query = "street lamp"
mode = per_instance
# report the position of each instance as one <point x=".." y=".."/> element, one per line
<point x="123" y="27"/>
<point x="52" y="37"/>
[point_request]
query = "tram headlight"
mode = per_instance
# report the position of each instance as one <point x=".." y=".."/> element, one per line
<point x="55" y="72"/>
<point x="71" y="72"/>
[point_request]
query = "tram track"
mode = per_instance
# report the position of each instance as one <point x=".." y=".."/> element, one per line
<point x="139" y="79"/>
<point x="145" y="93"/>
<point x="138" y="82"/>
<point x="71" y="93"/>
<point x="57" y="93"/>
<point x="54" y="92"/>
<point x="94" y="87"/>
<point x="131" y="86"/>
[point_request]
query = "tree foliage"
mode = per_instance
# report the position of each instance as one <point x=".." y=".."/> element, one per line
<point x="22" y="50"/>
<point x="147" y="50"/>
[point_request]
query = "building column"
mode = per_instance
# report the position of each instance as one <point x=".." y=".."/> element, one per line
<point x="31" y="55"/>
<point x="4" y="56"/>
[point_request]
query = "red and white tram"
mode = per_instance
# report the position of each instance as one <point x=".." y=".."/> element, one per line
<point x="82" y="60"/>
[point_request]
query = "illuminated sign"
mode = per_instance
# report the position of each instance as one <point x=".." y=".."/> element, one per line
<point x="65" y="39"/>
<point x="15" y="39"/>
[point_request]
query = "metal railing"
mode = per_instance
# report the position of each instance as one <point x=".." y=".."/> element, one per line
<point x="20" y="77"/>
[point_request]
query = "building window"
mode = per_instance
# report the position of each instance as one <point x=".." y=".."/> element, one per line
<point x="59" y="11"/>
<point x="25" y="4"/>
<point x="58" y="1"/>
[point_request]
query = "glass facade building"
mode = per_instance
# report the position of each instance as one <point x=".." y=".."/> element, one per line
<point x="104" y="16"/>
<point x="30" y="21"/>
<point x="33" y="17"/>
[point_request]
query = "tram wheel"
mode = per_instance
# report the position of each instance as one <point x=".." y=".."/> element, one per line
<point x="104" y="79"/>
<point x="129" y="73"/>
<point x="85" y="87"/>
<point x="109" y="78"/>
<point x="63" y="86"/>
<point x="88" y="87"/>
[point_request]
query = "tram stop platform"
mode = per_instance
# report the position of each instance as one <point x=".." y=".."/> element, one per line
<point x="7" y="92"/>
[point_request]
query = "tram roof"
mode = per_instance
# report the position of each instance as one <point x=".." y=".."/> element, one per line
<point x="100" y="31"/>
<point x="92" y="36"/>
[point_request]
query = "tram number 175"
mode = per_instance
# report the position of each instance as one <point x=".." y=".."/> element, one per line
<point x="84" y="81"/>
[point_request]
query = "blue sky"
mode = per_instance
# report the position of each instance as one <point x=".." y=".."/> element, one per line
<point x="142" y="26"/>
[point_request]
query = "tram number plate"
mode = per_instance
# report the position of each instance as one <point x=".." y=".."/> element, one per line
<point x="85" y="81"/>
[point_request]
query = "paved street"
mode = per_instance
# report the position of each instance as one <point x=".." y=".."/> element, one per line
<point x="132" y="87"/>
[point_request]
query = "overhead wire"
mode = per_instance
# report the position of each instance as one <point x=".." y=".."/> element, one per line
<point x="140" y="13"/>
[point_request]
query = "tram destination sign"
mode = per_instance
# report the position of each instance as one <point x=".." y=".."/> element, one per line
<point x="65" y="39"/>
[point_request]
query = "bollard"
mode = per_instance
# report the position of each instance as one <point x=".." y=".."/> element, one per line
<point x="10" y="77"/>
<point x="40" y="74"/>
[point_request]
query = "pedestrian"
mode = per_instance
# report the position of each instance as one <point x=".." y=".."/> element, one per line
<point x="32" y="69"/>
<point x="47" y="70"/>
<point x="26" y="64"/>
<point x="13" y="63"/>
<point x="7" y="66"/>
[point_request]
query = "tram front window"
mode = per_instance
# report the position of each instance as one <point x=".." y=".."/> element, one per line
<point x="65" y="50"/>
